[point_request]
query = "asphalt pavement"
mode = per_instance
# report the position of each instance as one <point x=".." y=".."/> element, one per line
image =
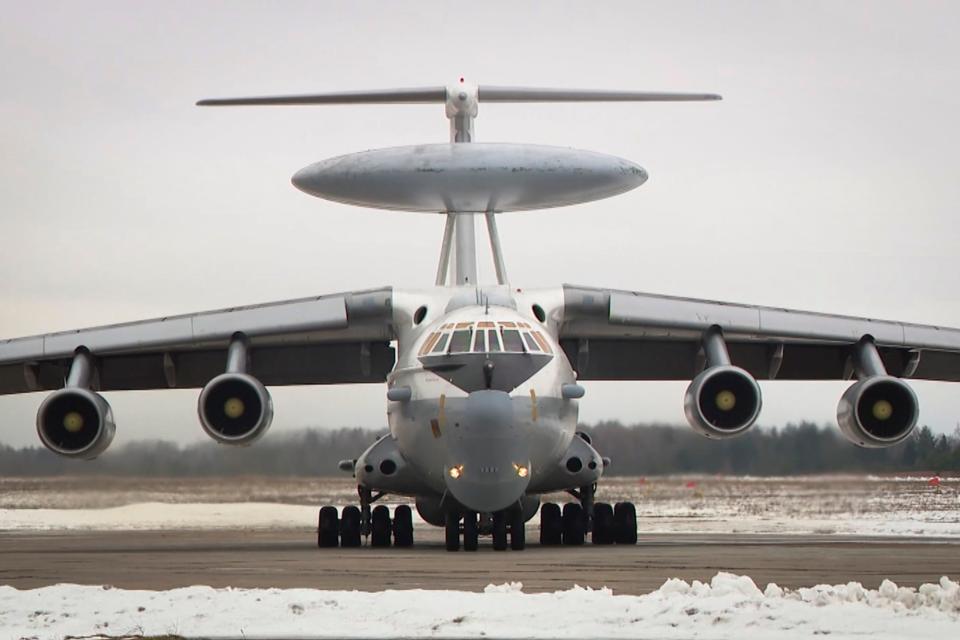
<point x="287" y="559"/>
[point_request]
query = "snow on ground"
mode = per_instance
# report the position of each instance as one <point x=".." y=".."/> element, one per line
<point x="810" y="505"/>
<point x="157" y="515"/>
<point x="247" y="515"/>
<point x="729" y="606"/>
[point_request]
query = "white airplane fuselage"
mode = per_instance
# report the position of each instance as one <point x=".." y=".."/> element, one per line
<point x="477" y="412"/>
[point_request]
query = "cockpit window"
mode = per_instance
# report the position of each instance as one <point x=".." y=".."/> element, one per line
<point x="485" y="336"/>
<point x="441" y="345"/>
<point x="460" y="342"/>
<point x="531" y="343"/>
<point x="511" y="340"/>
<point x="479" y="345"/>
<point x="429" y="342"/>
<point x="542" y="342"/>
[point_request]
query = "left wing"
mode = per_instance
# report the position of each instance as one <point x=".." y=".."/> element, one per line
<point x="624" y="335"/>
<point x="331" y="339"/>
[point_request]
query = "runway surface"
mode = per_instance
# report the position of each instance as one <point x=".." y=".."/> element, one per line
<point x="287" y="559"/>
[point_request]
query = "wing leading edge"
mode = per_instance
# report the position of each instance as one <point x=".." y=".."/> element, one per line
<point x="331" y="339"/>
<point x="623" y="335"/>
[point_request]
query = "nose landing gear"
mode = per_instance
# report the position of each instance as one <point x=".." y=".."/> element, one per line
<point x="506" y="528"/>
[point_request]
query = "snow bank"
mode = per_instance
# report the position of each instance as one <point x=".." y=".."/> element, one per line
<point x="729" y="606"/>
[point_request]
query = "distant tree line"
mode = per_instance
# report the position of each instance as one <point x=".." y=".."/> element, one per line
<point x="641" y="449"/>
<point x="795" y="449"/>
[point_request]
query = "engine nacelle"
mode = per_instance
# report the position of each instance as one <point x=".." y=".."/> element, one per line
<point x="722" y="402"/>
<point x="235" y="408"/>
<point x="879" y="411"/>
<point x="76" y="423"/>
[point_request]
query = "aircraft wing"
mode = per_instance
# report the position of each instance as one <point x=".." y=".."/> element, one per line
<point x="330" y="339"/>
<point x="624" y="335"/>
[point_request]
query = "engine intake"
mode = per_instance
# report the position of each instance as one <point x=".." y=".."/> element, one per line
<point x="722" y="402"/>
<point x="235" y="408"/>
<point x="879" y="411"/>
<point x="76" y="423"/>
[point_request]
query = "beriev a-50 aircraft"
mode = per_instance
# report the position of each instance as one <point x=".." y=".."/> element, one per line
<point x="482" y="380"/>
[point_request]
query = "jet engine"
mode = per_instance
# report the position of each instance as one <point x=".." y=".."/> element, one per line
<point x="235" y="408"/>
<point x="724" y="400"/>
<point x="76" y="423"/>
<point x="879" y="411"/>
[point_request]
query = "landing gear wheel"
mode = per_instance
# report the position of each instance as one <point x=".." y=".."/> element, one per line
<point x="551" y="524"/>
<point x="328" y="527"/>
<point x="573" y="524"/>
<point x="625" y="523"/>
<point x="380" y="526"/>
<point x="471" y="532"/>
<point x="403" y="526"/>
<point x="603" y="525"/>
<point x="499" y="531"/>
<point x="453" y="531"/>
<point x="350" y="527"/>
<point x="518" y="533"/>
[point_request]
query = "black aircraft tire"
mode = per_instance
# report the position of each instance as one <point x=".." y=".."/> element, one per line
<point x="499" y="531"/>
<point x="604" y="528"/>
<point x="380" y="526"/>
<point x="518" y="532"/>
<point x="350" y="527"/>
<point x="471" y="532"/>
<point x="452" y="531"/>
<point x="551" y="525"/>
<point x="328" y="527"/>
<point x="403" y="526"/>
<point x="625" y="523"/>
<point x="573" y="524"/>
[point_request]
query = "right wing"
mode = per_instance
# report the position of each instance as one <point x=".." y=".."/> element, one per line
<point x="626" y="335"/>
<point x="331" y="339"/>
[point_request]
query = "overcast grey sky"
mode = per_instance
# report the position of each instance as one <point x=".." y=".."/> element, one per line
<point x="827" y="179"/>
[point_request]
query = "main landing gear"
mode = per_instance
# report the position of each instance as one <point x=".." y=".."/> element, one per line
<point x="347" y="527"/>
<point x="606" y="524"/>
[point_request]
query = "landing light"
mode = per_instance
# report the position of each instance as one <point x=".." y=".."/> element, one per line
<point x="455" y="472"/>
<point x="522" y="471"/>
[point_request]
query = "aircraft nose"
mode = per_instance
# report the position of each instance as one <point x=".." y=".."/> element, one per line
<point x="488" y="465"/>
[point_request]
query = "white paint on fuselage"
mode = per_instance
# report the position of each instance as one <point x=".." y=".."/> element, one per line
<point x="549" y="428"/>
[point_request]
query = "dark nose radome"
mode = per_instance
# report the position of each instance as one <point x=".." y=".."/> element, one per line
<point x="488" y="464"/>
